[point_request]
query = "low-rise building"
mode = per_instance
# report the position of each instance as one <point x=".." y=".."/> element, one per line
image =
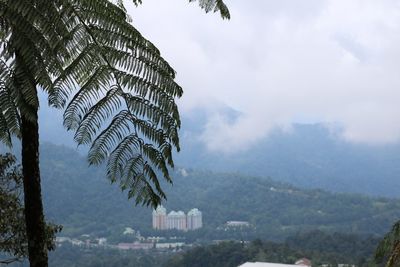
<point x="266" y="264"/>
<point x="135" y="245"/>
<point x="237" y="224"/>
<point x="303" y="262"/>
<point x="169" y="245"/>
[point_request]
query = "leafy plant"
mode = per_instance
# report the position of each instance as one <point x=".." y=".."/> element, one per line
<point x="13" y="239"/>
<point x="389" y="248"/>
<point x="118" y="94"/>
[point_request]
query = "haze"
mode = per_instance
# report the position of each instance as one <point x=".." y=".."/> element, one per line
<point x="279" y="62"/>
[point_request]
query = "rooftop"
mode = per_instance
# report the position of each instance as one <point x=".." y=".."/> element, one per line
<point x="266" y="264"/>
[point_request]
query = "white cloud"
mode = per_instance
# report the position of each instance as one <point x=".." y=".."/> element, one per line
<point x="336" y="61"/>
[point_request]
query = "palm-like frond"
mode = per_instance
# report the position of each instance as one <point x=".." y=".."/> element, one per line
<point x="207" y="5"/>
<point x="215" y="6"/>
<point x="27" y="35"/>
<point x="119" y="87"/>
<point x="118" y="92"/>
<point x="113" y="84"/>
<point x="9" y="117"/>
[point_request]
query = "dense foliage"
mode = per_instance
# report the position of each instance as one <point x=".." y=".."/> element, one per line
<point x="70" y="256"/>
<point x="307" y="156"/>
<point x="12" y="224"/>
<point x="389" y="248"/>
<point x="13" y="239"/>
<point x="86" y="204"/>
<point x="117" y="92"/>
<point x="320" y="248"/>
<point x="336" y="247"/>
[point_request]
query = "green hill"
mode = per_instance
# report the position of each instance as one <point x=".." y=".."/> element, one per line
<point x="307" y="156"/>
<point x="81" y="199"/>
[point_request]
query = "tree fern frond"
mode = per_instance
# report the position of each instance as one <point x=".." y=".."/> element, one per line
<point x="127" y="39"/>
<point x="8" y="111"/>
<point x="154" y="72"/>
<point x="143" y="192"/>
<point x="33" y="38"/>
<point x="156" y="158"/>
<point x="215" y="6"/>
<point x="149" y="172"/>
<point x="128" y="148"/>
<point x="95" y="117"/>
<point x="83" y="100"/>
<point x="25" y="93"/>
<point x="159" y="96"/>
<point x="137" y="2"/>
<point x="88" y="57"/>
<point x="144" y="109"/>
<point x="76" y="72"/>
<point x="119" y="127"/>
<point x="138" y="185"/>
<point x="5" y="135"/>
<point x="130" y="163"/>
<point x="103" y="8"/>
<point x="207" y="5"/>
<point x="8" y="108"/>
<point x="118" y="91"/>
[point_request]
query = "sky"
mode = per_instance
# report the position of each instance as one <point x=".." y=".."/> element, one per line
<point x="335" y="62"/>
<point x="276" y="63"/>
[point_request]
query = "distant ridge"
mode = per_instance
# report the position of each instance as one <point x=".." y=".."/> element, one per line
<point x="308" y="156"/>
<point x="83" y="201"/>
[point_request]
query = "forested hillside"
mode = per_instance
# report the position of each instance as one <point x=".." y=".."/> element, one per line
<point x="83" y="201"/>
<point x="307" y="156"/>
<point x="317" y="246"/>
<point x="320" y="248"/>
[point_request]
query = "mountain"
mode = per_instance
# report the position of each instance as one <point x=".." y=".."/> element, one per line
<point x="308" y="156"/>
<point x="83" y="201"/>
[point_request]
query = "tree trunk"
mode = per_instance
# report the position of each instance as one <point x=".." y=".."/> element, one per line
<point x="34" y="217"/>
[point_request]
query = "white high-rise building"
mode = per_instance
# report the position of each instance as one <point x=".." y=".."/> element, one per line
<point x="194" y="219"/>
<point x="176" y="220"/>
<point x="160" y="218"/>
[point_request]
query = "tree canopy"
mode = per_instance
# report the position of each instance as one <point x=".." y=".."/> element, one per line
<point x="389" y="248"/>
<point x="12" y="223"/>
<point x="13" y="238"/>
<point x="117" y="91"/>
